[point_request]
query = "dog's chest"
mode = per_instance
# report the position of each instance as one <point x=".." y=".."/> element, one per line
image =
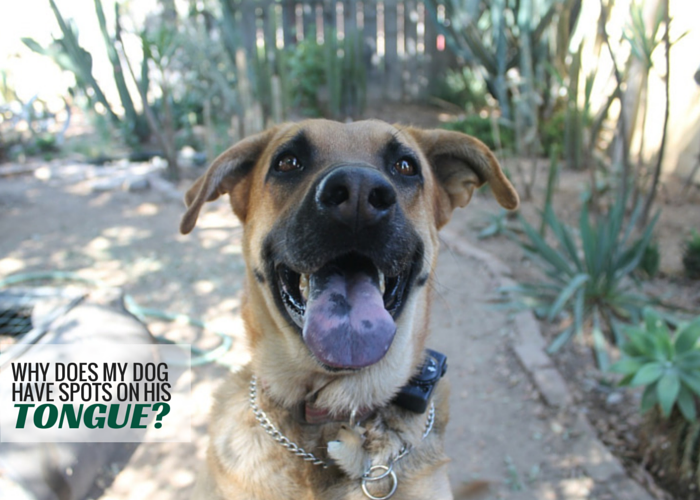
<point x="257" y="462"/>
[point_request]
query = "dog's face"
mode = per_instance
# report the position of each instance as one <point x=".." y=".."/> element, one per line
<point x="340" y="239"/>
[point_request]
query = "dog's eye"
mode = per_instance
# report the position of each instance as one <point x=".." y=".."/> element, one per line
<point x="405" y="166"/>
<point x="288" y="163"/>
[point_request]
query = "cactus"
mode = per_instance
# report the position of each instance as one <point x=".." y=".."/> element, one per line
<point x="505" y="35"/>
<point x="69" y="55"/>
<point x="136" y="125"/>
<point x="346" y="76"/>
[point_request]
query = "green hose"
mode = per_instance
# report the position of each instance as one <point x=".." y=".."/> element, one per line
<point x="201" y="356"/>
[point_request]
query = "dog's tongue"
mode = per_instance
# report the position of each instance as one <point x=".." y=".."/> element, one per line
<point x="346" y="325"/>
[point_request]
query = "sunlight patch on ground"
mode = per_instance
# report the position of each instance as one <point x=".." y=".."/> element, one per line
<point x="78" y="189"/>
<point x="203" y="286"/>
<point x="230" y="304"/>
<point x="221" y="218"/>
<point x="144" y="209"/>
<point x="183" y="478"/>
<point x="577" y="488"/>
<point x="131" y="477"/>
<point x="123" y="235"/>
<point x="109" y="273"/>
<point x="144" y="266"/>
<point x="232" y="249"/>
<point x="213" y="238"/>
<point x="100" y="200"/>
<point x="98" y="248"/>
<point x="10" y="265"/>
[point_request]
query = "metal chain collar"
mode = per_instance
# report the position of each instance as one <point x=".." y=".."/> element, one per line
<point x="367" y="477"/>
<point x="270" y="428"/>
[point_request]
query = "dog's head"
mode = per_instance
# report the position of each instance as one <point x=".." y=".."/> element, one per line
<point x="340" y="239"/>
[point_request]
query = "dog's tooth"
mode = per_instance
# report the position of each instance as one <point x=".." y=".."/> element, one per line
<point x="304" y="286"/>
<point x="382" y="283"/>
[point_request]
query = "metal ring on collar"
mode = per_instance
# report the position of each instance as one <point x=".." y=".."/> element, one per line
<point x="388" y="469"/>
<point x="387" y="472"/>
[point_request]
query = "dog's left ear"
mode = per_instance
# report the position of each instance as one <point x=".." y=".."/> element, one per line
<point x="227" y="174"/>
<point x="461" y="163"/>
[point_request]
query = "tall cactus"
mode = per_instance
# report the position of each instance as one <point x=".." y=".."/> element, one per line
<point x="69" y="55"/>
<point x="135" y="123"/>
<point x="512" y="38"/>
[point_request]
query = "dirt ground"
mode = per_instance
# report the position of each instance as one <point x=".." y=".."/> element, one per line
<point x="502" y="435"/>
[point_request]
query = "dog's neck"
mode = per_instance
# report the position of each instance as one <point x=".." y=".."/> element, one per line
<point x="413" y="396"/>
<point x="328" y="397"/>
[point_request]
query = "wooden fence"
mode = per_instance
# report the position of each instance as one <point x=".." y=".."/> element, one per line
<point x="404" y="51"/>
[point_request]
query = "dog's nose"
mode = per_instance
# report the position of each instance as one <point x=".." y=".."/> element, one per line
<point x="356" y="196"/>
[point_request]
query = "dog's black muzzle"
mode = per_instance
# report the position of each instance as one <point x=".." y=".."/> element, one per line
<point x="351" y="208"/>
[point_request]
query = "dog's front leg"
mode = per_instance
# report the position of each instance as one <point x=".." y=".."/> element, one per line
<point x="348" y="452"/>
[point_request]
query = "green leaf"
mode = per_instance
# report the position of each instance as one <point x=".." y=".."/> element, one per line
<point x="692" y="380"/>
<point x="599" y="343"/>
<point x="667" y="391"/>
<point x="579" y="310"/>
<point x="561" y="339"/>
<point x="663" y="340"/>
<point x="562" y="234"/>
<point x="578" y="281"/>
<point x="627" y="366"/>
<point x="641" y="342"/>
<point x="634" y="345"/>
<point x="641" y="246"/>
<point x="545" y="251"/>
<point x="687" y="337"/>
<point x="686" y="403"/>
<point x="616" y="329"/>
<point x="488" y="231"/>
<point x="588" y="239"/>
<point x="649" y="373"/>
<point x="35" y="46"/>
<point x="649" y="398"/>
<point x="689" y="361"/>
<point x="652" y="320"/>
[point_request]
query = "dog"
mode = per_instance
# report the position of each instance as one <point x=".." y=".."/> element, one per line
<point x="340" y="239"/>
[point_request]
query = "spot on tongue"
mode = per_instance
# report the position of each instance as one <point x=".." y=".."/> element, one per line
<point x="346" y="324"/>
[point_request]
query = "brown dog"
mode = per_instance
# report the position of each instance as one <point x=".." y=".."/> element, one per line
<point x="340" y="240"/>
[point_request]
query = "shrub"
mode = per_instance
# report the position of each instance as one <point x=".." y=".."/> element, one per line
<point x="591" y="280"/>
<point x="462" y="87"/>
<point x="307" y="69"/>
<point x="651" y="260"/>
<point x="336" y="67"/>
<point x="691" y="256"/>
<point x="668" y="367"/>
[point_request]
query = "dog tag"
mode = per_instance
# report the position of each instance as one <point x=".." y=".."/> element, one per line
<point x="415" y="395"/>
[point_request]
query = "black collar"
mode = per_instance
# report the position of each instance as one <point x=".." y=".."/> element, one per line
<point x="414" y="396"/>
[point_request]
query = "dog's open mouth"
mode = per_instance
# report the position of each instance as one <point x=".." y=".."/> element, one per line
<point x="346" y="309"/>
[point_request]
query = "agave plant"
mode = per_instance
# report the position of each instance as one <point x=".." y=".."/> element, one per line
<point x="495" y="224"/>
<point x="667" y="366"/>
<point x="589" y="276"/>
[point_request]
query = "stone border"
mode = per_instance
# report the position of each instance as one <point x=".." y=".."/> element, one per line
<point x="604" y="470"/>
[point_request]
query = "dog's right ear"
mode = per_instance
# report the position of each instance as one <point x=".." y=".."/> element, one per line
<point x="227" y="174"/>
